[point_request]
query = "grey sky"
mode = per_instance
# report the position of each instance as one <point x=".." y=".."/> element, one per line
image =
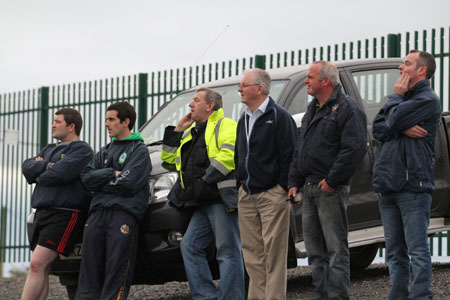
<point x="51" y="42"/>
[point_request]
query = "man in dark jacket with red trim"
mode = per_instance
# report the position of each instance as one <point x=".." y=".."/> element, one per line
<point x="59" y="198"/>
<point x="332" y="143"/>
<point x="404" y="174"/>
<point x="118" y="179"/>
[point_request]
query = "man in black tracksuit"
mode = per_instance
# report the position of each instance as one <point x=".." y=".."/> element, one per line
<point x="118" y="179"/>
<point x="59" y="198"/>
<point x="331" y="145"/>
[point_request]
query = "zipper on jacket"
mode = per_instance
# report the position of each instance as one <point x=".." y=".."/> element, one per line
<point x="247" y="157"/>
<point x="407" y="175"/>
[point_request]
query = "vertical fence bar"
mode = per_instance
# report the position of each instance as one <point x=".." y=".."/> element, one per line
<point x="351" y="50"/>
<point x="424" y="40"/>
<point x="43" y="116"/>
<point x="260" y="61"/>
<point x="407" y="41"/>
<point x="336" y="51"/>
<point x="433" y="52"/>
<point x="142" y="98"/>
<point x="393" y="46"/>
<point x="375" y="50"/>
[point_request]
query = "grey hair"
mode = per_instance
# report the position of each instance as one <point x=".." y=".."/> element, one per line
<point x="262" y="77"/>
<point x="328" y="70"/>
<point x="212" y="96"/>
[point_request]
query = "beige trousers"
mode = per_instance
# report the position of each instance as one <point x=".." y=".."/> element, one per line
<point x="264" y="226"/>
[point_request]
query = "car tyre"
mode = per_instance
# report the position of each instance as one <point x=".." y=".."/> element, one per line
<point x="361" y="257"/>
<point x="71" y="291"/>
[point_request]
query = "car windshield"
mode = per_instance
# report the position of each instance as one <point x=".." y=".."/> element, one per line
<point x="170" y="114"/>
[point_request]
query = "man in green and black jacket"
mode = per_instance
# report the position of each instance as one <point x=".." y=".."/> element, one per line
<point x="118" y="180"/>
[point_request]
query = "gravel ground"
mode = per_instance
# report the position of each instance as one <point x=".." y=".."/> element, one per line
<point x="372" y="284"/>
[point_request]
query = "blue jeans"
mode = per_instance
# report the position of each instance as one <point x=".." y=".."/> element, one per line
<point x="405" y="219"/>
<point x="211" y="221"/>
<point x="325" y="231"/>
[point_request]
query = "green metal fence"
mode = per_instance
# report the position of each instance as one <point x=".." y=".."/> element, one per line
<point x="26" y="116"/>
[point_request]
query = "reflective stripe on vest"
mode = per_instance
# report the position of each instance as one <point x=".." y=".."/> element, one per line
<point x="226" y="184"/>
<point x="169" y="149"/>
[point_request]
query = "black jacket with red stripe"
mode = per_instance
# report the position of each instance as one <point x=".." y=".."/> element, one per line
<point x="57" y="176"/>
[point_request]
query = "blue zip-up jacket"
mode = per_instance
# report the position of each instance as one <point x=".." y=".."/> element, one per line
<point x="405" y="164"/>
<point x="128" y="191"/>
<point x="58" y="176"/>
<point x="332" y="143"/>
<point x="264" y="161"/>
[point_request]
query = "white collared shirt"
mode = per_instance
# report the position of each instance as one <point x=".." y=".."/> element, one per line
<point x="253" y="116"/>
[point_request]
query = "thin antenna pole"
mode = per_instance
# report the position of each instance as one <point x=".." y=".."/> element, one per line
<point x="212" y="44"/>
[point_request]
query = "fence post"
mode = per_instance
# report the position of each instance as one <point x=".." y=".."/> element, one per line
<point x="260" y="61"/>
<point x="2" y="238"/>
<point x="393" y="46"/>
<point x="142" y="104"/>
<point x="43" y="116"/>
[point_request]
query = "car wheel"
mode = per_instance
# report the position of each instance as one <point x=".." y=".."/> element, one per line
<point x="71" y="291"/>
<point x="361" y="257"/>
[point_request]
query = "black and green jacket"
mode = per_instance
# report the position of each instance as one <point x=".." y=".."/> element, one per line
<point x="128" y="191"/>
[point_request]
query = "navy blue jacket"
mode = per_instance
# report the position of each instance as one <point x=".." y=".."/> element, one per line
<point x="264" y="161"/>
<point x="128" y="191"/>
<point x="332" y="142"/>
<point x="58" y="176"/>
<point x="405" y="164"/>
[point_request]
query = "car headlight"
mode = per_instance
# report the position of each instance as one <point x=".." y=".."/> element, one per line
<point x="161" y="185"/>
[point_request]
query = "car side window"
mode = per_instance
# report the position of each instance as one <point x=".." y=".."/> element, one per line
<point x="374" y="86"/>
<point x="300" y="102"/>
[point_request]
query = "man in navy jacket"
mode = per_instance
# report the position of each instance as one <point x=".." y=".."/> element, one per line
<point x="404" y="174"/>
<point x="118" y="179"/>
<point x="59" y="198"/>
<point x="332" y="143"/>
<point x="265" y="141"/>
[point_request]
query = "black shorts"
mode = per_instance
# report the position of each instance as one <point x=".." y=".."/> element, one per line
<point x="57" y="229"/>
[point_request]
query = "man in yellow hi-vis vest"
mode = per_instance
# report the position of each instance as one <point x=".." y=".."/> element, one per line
<point x="204" y="158"/>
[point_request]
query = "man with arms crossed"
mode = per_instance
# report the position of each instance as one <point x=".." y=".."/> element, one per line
<point x="404" y="174"/>
<point x="118" y="179"/>
<point x="204" y="157"/>
<point x="265" y="142"/>
<point x="59" y="197"/>
<point x="331" y="145"/>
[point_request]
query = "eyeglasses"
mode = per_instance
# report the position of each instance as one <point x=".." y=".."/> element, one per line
<point x="243" y="85"/>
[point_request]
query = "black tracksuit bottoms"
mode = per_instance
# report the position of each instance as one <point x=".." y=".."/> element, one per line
<point x="108" y="255"/>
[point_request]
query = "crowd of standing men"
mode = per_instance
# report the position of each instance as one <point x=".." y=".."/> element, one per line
<point x="236" y="178"/>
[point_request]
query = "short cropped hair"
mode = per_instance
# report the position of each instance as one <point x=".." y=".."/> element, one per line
<point x="124" y="110"/>
<point x="427" y="60"/>
<point x="328" y="70"/>
<point x="212" y="96"/>
<point x="71" y="116"/>
<point x="262" y="77"/>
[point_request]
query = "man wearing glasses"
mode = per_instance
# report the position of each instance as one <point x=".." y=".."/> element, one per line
<point x="265" y="142"/>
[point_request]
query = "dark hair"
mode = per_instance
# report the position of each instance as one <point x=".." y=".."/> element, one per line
<point x="426" y="60"/>
<point x="71" y="116"/>
<point x="212" y="96"/>
<point x="124" y="110"/>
